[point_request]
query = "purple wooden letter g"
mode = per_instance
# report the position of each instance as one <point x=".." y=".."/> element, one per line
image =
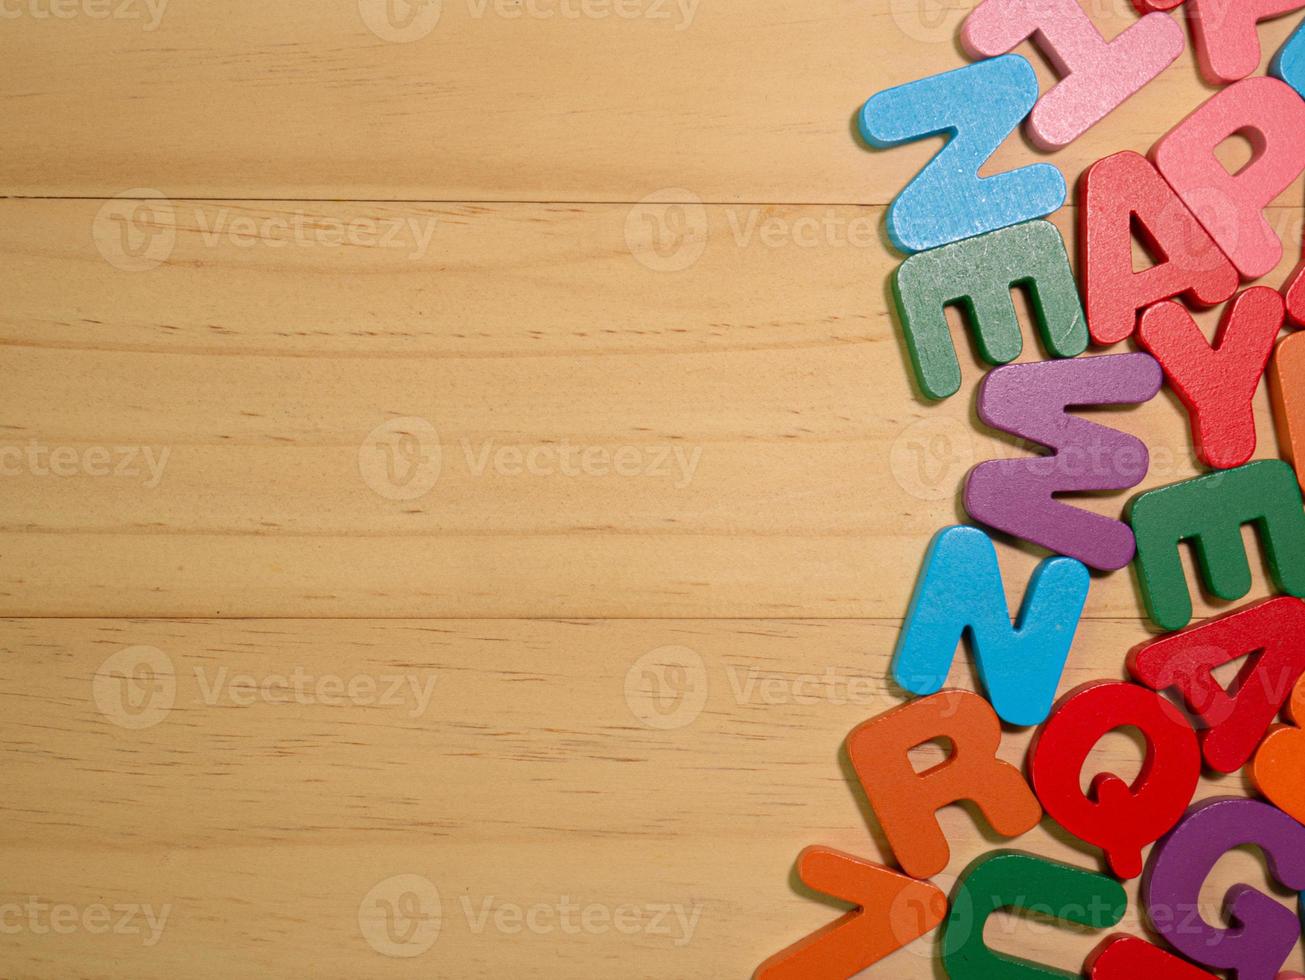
<point x="1264" y="933"/>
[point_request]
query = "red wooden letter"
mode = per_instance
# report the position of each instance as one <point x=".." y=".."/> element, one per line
<point x="1126" y="958"/>
<point x="1218" y="384"/>
<point x="1272" y="633"/>
<point x="1114" y="192"/>
<point x="1118" y="818"/>
<point x="1271" y="115"/>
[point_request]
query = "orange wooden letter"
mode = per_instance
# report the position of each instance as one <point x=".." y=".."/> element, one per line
<point x="894" y="911"/>
<point x="906" y="801"/>
<point x="1279" y="766"/>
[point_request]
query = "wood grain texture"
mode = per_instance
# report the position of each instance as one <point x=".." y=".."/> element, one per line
<point x="725" y="100"/>
<point x="263" y="810"/>
<point x="516" y="521"/>
<point x="613" y="440"/>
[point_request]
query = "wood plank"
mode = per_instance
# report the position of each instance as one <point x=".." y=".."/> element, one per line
<point x="727" y="101"/>
<point x="739" y="438"/>
<point x="260" y="809"/>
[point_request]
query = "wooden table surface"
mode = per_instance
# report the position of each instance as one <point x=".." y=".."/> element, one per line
<point x="462" y="481"/>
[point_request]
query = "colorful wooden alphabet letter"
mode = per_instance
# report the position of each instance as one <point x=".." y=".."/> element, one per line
<point x="1264" y="932"/>
<point x="1271" y="115"/>
<point x="1225" y="36"/>
<point x="1115" y="816"/>
<point x="1279" y="766"/>
<point x="1296" y="296"/>
<point x="1288" y="388"/>
<point x="960" y="593"/>
<point x="1218" y="384"/>
<point x="1114" y="193"/>
<point x="1096" y="75"/>
<point x="1271" y="634"/>
<point x="906" y="801"/>
<point x="1011" y="879"/>
<point x="1126" y="958"/>
<point x="1289" y="63"/>
<point x="978" y="273"/>
<point x="976" y="107"/>
<point x="893" y="911"/>
<point x="1018" y="495"/>
<point x="1211" y="510"/>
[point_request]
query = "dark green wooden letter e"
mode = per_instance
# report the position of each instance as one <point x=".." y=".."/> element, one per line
<point x="1210" y="510"/>
<point x="978" y="274"/>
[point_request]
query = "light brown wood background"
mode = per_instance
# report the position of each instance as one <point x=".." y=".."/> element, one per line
<point x="358" y="299"/>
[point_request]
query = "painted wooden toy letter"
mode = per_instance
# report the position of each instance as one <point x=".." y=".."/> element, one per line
<point x="1218" y="384"/>
<point x="1018" y="495"/>
<point x="1289" y="63"/>
<point x="1113" y="194"/>
<point x="1227" y="43"/>
<point x="1115" y="816"/>
<point x="960" y="592"/>
<point x="892" y="912"/>
<point x="1296" y="296"/>
<point x="1211" y="510"/>
<point x="1279" y="766"/>
<point x="1011" y="879"/>
<point x="976" y="107"/>
<point x="1126" y="958"/>
<point x="906" y="801"/>
<point x="1263" y="933"/>
<point x="1096" y="75"/>
<point x="1271" y="634"/>
<point x="979" y="274"/>
<point x="1271" y="115"/>
<point x="1288" y="388"/>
